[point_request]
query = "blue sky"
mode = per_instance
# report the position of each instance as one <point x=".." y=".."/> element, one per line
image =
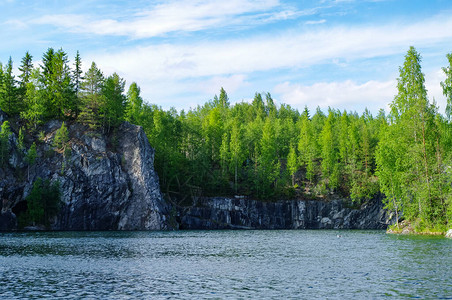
<point x="344" y="54"/>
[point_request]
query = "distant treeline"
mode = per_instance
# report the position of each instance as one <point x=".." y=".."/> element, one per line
<point x="257" y="148"/>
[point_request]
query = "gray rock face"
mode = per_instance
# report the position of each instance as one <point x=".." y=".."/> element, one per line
<point x="106" y="190"/>
<point x="7" y="221"/>
<point x="223" y="213"/>
<point x="103" y="188"/>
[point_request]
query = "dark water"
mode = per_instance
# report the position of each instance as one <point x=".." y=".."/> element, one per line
<point x="225" y="265"/>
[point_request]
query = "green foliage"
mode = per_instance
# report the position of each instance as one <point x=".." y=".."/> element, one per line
<point x="61" y="138"/>
<point x="60" y="100"/>
<point x="5" y="133"/>
<point x="43" y="202"/>
<point x="92" y="98"/>
<point x="292" y="163"/>
<point x="9" y="102"/>
<point x="134" y="104"/>
<point x="31" y="155"/>
<point x="20" y="140"/>
<point x="447" y="86"/>
<point x="113" y="108"/>
<point x="410" y="162"/>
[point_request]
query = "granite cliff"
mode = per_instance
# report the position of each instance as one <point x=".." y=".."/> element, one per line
<point x="234" y="213"/>
<point x="106" y="182"/>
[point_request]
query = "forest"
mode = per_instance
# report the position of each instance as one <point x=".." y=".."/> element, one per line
<point x="255" y="149"/>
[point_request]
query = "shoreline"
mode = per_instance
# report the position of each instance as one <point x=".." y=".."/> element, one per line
<point x="406" y="228"/>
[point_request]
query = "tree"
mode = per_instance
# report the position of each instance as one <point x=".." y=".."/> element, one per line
<point x="26" y="69"/>
<point x="413" y="127"/>
<point x="61" y="138"/>
<point x="269" y="164"/>
<point x="92" y="97"/>
<point x="390" y="171"/>
<point x="5" y="133"/>
<point x="236" y="150"/>
<point x="447" y="86"/>
<point x="223" y="100"/>
<point x="77" y="73"/>
<point x="8" y="92"/>
<point x="114" y="106"/>
<point x="133" y="104"/>
<point x="292" y="163"/>
<point x="59" y="93"/>
<point x="43" y="201"/>
<point x="20" y="140"/>
<point x="328" y="153"/>
<point x="34" y="111"/>
<point x="306" y="145"/>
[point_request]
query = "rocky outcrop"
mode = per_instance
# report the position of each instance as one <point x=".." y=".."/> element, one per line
<point x="224" y="213"/>
<point x="107" y="182"/>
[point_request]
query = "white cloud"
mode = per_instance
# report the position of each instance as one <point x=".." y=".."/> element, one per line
<point x="434" y="90"/>
<point x="352" y="95"/>
<point x="229" y="83"/>
<point x="340" y="95"/>
<point x="315" y="22"/>
<point x="267" y="52"/>
<point x="225" y="59"/>
<point x="15" y="24"/>
<point x="174" y="16"/>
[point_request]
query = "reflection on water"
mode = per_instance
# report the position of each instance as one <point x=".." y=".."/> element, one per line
<point x="224" y="264"/>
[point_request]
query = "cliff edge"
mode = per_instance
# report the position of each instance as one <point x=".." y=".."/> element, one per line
<point x="107" y="182"/>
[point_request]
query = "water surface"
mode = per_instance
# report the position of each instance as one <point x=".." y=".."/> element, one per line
<point x="289" y="264"/>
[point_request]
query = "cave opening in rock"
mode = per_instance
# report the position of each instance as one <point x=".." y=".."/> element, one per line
<point x="20" y="208"/>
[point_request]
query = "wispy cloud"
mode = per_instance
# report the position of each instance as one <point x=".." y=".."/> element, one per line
<point x="315" y="22"/>
<point x="267" y="52"/>
<point x="175" y="16"/>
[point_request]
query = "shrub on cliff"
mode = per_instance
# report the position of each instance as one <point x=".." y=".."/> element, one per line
<point x="43" y="203"/>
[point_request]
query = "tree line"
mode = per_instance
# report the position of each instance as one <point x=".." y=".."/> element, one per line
<point x="54" y="90"/>
<point x="259" y="149"/>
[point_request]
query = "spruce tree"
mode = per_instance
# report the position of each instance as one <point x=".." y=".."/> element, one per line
<point x="92" y="99"/>
<point x="8" y="92"/>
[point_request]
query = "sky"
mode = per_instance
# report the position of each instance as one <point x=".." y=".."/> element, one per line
<point x="342" y="54"/>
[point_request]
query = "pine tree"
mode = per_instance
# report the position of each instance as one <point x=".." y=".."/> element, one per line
<point x="8" y="92"/>
<point x="77" y="73"/>
<point x="26" y="69"/>
<point x="92" y="99"/>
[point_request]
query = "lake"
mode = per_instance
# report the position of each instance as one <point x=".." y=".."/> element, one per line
<point x="287" y="264"/>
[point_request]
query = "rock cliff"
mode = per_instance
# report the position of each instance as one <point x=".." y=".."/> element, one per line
<point x="107" y="182"/>
<point x="223" y="213"/>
